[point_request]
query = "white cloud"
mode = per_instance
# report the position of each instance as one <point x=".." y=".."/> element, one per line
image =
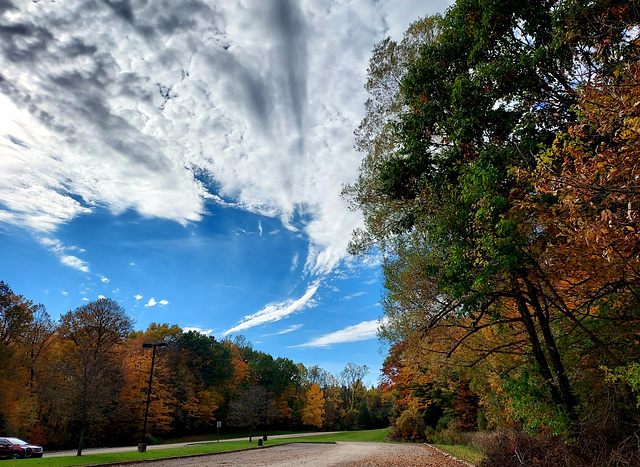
<point x="231" y="90"/>
<point x="353" y="295"/>
<point x="61" y="251"/>
<point x="206" y="332"/>
<point x="104" y="280"/>
<point x="65" y="293"/>
<point x="100" y="297"/>
<point x="138" y="297"/>
<point x="276" y="311"/>
<point x="359" y="332"/>
<point x="163" y="302"/>
<point x="151" y="302"/>
<point x="291" y="328"/>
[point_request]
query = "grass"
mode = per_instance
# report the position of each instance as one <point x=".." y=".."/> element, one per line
<point x="365" y="435"/>
<point x="223" y="436"/>
<point x="134" y="455"/>
<point x="463" y="452"/>
<point x="466" y="453"/>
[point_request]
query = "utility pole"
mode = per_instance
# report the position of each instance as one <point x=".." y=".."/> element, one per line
<point x="142" y="446"/>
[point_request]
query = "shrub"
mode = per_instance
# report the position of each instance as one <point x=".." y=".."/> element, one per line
<point x="517" y="449"/>
<point x="410" y="425"/>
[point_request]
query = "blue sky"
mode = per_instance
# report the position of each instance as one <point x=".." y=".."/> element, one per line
<point x="186" y="159"/>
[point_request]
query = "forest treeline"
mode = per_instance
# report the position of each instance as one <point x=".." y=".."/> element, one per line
<point x="83" y="380"/>
<point x="501" y="184"/>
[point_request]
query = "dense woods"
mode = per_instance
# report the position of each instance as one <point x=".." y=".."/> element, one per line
<point x="501" y="185"/>
<point x="83" y="380"/>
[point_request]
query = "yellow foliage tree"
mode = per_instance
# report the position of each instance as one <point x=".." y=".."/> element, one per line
<point x="313" y="412"/>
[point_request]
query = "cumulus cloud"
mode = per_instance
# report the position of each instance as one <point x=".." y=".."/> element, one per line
<point x="359" y="332"/>
<point x="104" y="280"/>
<point x="199" y="102"/>
<point x="277" y="311"/>
<point x="152" y="301"/>
<point x="101" y="297"/>
<point x="62" y="252"/>
<point x="206" y="332"/>
<point x="138" y="297"/>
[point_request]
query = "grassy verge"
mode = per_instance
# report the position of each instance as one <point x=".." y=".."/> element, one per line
<point x="366" y="435"/>
<point x="214" y="437"/>
<point x="466" y="453"/>
<point x="206" y="448"/>
<point x="134" y="455"/>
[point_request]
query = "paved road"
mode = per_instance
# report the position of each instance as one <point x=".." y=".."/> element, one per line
<point x="166" y="446"/>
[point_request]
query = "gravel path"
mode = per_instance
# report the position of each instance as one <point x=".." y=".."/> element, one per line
<point x="323" y="455"/>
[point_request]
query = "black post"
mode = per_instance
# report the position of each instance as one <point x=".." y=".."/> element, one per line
<point x="266" y="408"/>
<point x="142" y="447"/>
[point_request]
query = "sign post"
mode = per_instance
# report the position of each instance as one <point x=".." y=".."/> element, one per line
<point x="219" y="425"/>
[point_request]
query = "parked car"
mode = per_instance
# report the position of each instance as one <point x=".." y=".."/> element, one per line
<point x="14" y="448"/>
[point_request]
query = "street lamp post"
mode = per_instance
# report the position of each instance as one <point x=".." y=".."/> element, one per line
<point x="142" y="446"/>
<point x="266" y="383"/>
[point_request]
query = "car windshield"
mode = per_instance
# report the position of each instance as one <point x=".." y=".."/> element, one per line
<point x="17" y="441"/>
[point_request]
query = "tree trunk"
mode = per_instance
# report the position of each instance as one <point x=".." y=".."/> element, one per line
<point x="536" y="347"/>
<point x="81" y="442"/>
<point x="552" y="350"/>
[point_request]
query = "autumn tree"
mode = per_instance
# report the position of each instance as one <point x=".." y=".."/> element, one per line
<point x="352" y="380"/>
<point x="90" y="358"/>
<point x="467" y="257"/>
<point x="25" y="330"/>
<point x="133" y="393"/>
<point x="313" y="412"/>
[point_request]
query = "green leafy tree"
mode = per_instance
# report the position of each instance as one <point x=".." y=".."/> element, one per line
<point x="440" y="187"/>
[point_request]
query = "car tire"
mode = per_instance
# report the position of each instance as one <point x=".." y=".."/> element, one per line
<point x="15" y="455"/>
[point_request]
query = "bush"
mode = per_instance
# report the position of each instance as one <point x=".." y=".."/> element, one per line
<point x="410" y="425"/>
<point x="517" y="449"/>
<point x="151" y="440"/>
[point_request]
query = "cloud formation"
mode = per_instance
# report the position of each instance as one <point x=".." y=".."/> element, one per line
<point x="163" y="107"/>
<point x="206" y="332"/>
<point x="359" y="332"/>
<point x="62" y="252"/>
<point x="277" y="311"/>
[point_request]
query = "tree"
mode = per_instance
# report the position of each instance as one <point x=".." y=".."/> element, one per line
<point x="16" y="314"/>
<point x="250" y="408"/>
<point x="92" y="335"/>
<point x="313" y="412"/>
<point x="21" y="344"/>
<point x="351" y="377"/>
<point x="467" y="257"/>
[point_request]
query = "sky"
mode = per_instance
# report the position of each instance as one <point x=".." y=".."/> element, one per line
<point x="185" y="158"/>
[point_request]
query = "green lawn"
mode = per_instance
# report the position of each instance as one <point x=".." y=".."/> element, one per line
<point x="463" y="452"/>
<point x="466" y="453"/>
<point x="130" y="456"/>
<point x="365" y="435"/>
<point x="214" y="437"/>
